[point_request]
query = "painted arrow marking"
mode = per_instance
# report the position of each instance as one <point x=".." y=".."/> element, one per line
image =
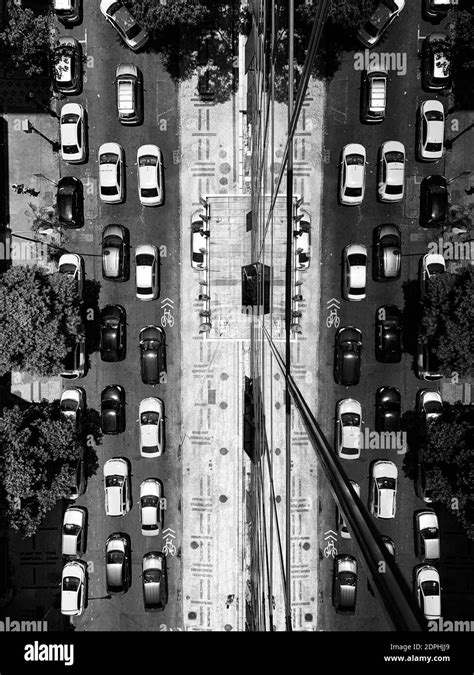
<point x="333" y="302"/>
<point x="330" y="534"/>
<point x="167" y="302"/>
<point x="168" y="533"/>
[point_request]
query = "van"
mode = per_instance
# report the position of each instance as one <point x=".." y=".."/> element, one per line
<point x="373" y="95"/>
<point x="344" y="591"/>
<point x="129" y="93"/>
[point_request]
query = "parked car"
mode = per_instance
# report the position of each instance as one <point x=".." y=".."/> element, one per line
<point x="423" y="480"/>
<point x="73" y="588"/>
<point x="113" y="323"/>
<point x="112" y="409"/>
<point x="391" y="172"/>
<point x="431" y="131"/>
<point x="429" y="405"/>
<point x="115" y="253"/>
<point x="72" y="406"/>
<point x="427" y="535"/>
<point x="129" y="93"/>
<point x="72" y="264"/>
<point x="67" y="65"/>
<point x="117" y="487"/>
<point x="74" y="532"/>
<point x="383" y="489"/>
<point x="428" y="366"/>
<point x="199" y="244"/>
<point x="344" y="584"/>
<point x="147" y="262"/>
<point x="431" y="266"/>
<point x="388" y="334"/>
<point x="428" y="591"/>
<point x="111" y="160"/>
<point x="348" y="428"/>
<point x="68" y="11"/>
<point x="387" y="252"/>
<point x="152" y="343"/>
<point x="78" y="477"/>
<point x="155" y="581"/>
<point x="354" y="272"/>
<point x="151" y="186"/>
<point x="124" y="23"/>
<point x="373" y="94"/>
<point x="433" y="201"/>
<point x="117" y="563"/>
<point x="341" y="523"/>
<point x="151" y="413"/>
<point x="352" y="177"/>
<point x="302" y="244"/>
<point x="75" y="364"/>
<point x="70" y="202"/>
<point x="436" y="63"/>
<point x="347" y="358"/>
<point x="151" y="506"/>
<point x="388" y="409"/>
<point x="385" y="12"/>
<point x="435" y="10"/>
<point x="73" y="133"/>
<point x="389" y="545"/>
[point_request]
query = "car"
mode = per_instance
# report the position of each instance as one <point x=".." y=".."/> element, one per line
<point x="430" y="131"/>
<point x="341" y="523"/>
<point x="199" y="246"/>
<point x="373" y="94"/>
<point x="73" y="588"/>
<point x="348" y="428"/>
<point x="427" y="545"/>
<point x="435" y="10"/>
<point x="151" y="186"/>
<point x="70" y="202"/>
<point x="344" y="584"/>
<point x="429" y="405"/>
<point x="431" y="266"/>
<point x="73" y="133"/>
<point x="428" y="591"/>
<point x="152" y="343"/>
<point x="354" y="272"/>
<point x="74" y="532"/>
<point x="129" y="93"/>
<point x="388" y="334"/>
<point x="433" y="201"/>
<point x="72" y="264"/>
<point x="67" y="65"/>
<point x="147" y="262"/>
<point x="387" y="409"/>
<point x="389" y="545"/>
<point x="75" y="364"/>
<point x="154" y="581"/>
<point x="391" y="172"/>
<point x="72" y="406"/>
<point x="436" y="63"/>
<point x="387" y="253"/>
<point x="117" y="487"/>
<point x="124" y="23"/>
<point x="302" y="244"/>
<point x="113" y="324"/>
<point x="152" y="504"/>
<point x="151" y="413"/>
<point x="112" y="409"/>
<point x="347" y="358"/>
<point x="68" y="11"/>
<point x="117" y="563"/>
<point x="111" y="158"/>
<point x="352" y="176"/>
<point x="385" y="12"/>
<point x="423" y="480"/>
<point x="115" y="253"/>
<point x="383" y="489"/>
<point x="428" y="366"/>
<point x="78" y="483"/>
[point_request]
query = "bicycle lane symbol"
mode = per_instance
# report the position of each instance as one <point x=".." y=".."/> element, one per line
<point x="169" y="548"/>
<point x="167" y="305"/>
<point x="330" y="550"/>
<point x="333" y="319"/>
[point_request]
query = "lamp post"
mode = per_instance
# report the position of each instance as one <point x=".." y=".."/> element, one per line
<point x="27" y="127"/>
<point x="463" y="173"/>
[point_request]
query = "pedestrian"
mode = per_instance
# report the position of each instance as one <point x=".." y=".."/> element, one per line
<point x="18" y="188"/>
<point x="31" y="191"/>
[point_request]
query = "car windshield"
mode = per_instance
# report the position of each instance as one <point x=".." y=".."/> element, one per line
<point x="71" y="529"/>
<point x="430" y="588"/>
<point x="430" y="533"/>
<point x="68" y="268"/>
<point x="389" y="240"/>
<point x="69" y="118"/>
<point x="435" y="268"/>
<point x="394" y="156"/>
<point x="149" y="192"/>
<point x="434" y="147"/>
<point x="149" y="501"/>
<point x="70" y="584"/>
<point x="70" y="149"/>
<point x="434" y="115"/>
<point x="115" y="557"/>
<point x="148" y="160"/>
<point x="386" y="483"/>
<point x="113" y="242"/>
<point x="149" y="418"/>
<point x="152" y="576"/>
<point x="353" y="191"/>
<point x="357" y="260"/>
<point x="198" y="257"/>
<point x="150" y="345"/>
<point x="144" y="260"/>
<point x="432" y="407"/>
<point x="394" y="189"/>
<point x="114" y="481"/>
<point x="68" y="405"/>
<point x="350" y="420"/>
<point x="355" y="159"/>
<point x="108" y="158"/>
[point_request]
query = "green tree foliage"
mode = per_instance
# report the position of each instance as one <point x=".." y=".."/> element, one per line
<point x="38" y="458"/>
<point x="39" y="319"/>
<point x="27" y="38"/>
<point x="448" y="318"/>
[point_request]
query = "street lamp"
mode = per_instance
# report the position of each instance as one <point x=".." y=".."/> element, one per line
<point x="41" y="175"/>
<point x="463" y="173"/>
<point x="27" y="127"/>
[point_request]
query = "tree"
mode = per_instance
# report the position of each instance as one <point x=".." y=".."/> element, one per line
<point x="158" y="18"/>
<point x="448" y="316"/>
<point x="27" y="38"/>
<point x="38" y="459"/>
<point x="40" y="320"/>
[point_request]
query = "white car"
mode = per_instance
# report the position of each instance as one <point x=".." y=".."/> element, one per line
<point x="73" y="588"/>
<point x="428" y="591"/>
<point x="151" y="413"/>
<point x="383" y="489"/>
<point x="341" y="523"/>
<point x="73" y="133"/>
<point x="72" y="405"/>
<point x="72" y="264"/>
<point x="199" y="244"/>
<point x="74" y="532"/>
<point x="352" y="178"/>
<point x="124" y="23"/>
<point x="429" y="404"/>
<point x="147" y="272"/>
<point x="111" y="160"/>
<point x="427" y="535"/>
<point x="378" y="22"/>
<point x="431" y="131"/>
<point x="117" y="487"/>
<point x="391" y="178"/>
<point x="302" y="244"/>
<point x="348" y="428"/>
<point x="354" y="271"/>
<point x="151" y="506"/>
<point x="150" y="175"/>
<point x="431" y="265"/>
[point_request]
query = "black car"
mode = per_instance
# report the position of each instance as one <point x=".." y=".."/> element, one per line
<point x="117" y="563"/>
<point x="435" y="10"/>
<point x="436" y="63"/>
<point x="347" y="357"/>
<point x="388" y="334"/>
<point x="433" y="201"/>
<point x="70" y="202"/>
<point x="152" y="354"/>
<point x="387" y="253"/>
<point x="112" y="409"/>
<point x="112" y="333"/>
<point x="428" y="366"/>
<point x="387" y="409"/>
<point x="115" y="253"/>
<point x="67" y="66"/>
